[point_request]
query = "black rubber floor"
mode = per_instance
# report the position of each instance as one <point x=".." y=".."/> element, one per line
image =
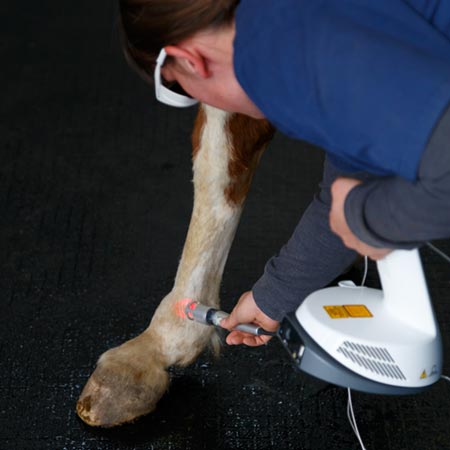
<point x="95" y="199"/>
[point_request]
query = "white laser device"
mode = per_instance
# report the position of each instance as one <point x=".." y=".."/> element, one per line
<point x="378" y="341"/>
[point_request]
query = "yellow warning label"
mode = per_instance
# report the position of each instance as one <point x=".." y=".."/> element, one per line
<point x="424" y="375"/>
<point x="336" y="312"/>
<point x="358" y="311"/>
<point x="347" y="311"/>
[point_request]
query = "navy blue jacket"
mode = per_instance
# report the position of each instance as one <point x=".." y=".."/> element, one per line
<point x="366" y="80"/>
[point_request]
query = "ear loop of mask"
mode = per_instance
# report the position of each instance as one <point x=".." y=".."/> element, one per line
<point x="165" y="95"/>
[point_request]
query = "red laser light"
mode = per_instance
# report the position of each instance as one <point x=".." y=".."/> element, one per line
<point x="181" y="305"/>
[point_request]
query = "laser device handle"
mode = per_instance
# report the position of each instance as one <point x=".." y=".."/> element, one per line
<point x="405" y="291"/>
<point x="211" y="316"/>
<point x="253" y="329"/>
<point x="250" y="328"/>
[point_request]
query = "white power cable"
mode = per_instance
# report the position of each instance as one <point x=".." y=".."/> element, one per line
<point x="366" y="267"/>
<point x="352" y="420"/>
<point x="439" y="252"/>
<point x="350" y="412"/>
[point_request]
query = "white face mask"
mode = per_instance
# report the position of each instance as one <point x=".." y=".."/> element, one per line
<point x="165" y="95"/>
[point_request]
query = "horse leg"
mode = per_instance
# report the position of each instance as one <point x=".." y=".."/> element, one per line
<point x="130" y="379"/>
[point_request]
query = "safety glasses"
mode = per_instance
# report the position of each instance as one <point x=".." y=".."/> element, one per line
<point x="166" y="95"/>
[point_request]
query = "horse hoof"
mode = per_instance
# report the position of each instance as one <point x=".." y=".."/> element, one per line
<point x="123" y="387"/>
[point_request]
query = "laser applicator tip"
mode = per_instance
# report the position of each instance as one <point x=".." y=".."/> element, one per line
<point x="181" y="307"/>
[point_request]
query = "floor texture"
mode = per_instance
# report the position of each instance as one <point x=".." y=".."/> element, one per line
<point x="95" y="200"/>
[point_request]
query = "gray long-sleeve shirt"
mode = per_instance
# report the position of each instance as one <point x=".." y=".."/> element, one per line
<point x="383" y="212"/>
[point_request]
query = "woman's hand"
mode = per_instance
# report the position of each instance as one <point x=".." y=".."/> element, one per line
<point x="339" y="191"/>
<point x="246" y="311"/>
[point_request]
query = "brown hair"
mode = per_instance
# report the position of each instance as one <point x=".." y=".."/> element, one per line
<point x="146" y="26"/>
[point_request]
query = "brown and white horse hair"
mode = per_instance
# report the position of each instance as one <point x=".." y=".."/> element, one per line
<point x="130" y="379"/>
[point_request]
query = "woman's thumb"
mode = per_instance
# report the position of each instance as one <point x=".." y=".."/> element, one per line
<point x="230" y="322"/>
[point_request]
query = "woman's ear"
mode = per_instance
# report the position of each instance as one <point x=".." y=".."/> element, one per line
<point x="191" y="61"/>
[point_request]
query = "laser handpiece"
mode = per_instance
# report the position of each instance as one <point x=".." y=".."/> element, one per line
<point x="210" y="316"/>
